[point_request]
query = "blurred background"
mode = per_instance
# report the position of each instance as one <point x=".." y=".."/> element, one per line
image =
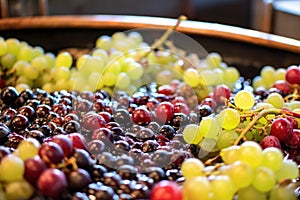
<point x="280" y="17"/>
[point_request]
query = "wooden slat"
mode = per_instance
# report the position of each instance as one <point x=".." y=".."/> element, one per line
<point x="130" y="22"/>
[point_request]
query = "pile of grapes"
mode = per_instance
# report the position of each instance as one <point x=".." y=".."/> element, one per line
<point x="131" y="120"/>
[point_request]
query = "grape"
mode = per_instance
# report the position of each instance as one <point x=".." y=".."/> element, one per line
<point x="272" y="158"/>
<point x="104" y="42"/>
<point x="30" y="72"/>
<point x="101" y="53"/>
<point x="288" y="170"/>
<point x="280" y="74"/>
<point x="292" y="75"/>
<point x="25" y="53"/>
<point x="244" y="100"/>
<point x="257" y="82"/>
<point x="82" y="60"/>
<point x="169" y="189"/>
<point x="21" y="87"/>
<point x="267" y="75"/>
<point x="51" y="152"/>
<point x="192" y="167"/>
<point x="54" y="178"/>
<point x="18" y="190"/>
<point x="282" y="192"/>
<point x="40" y="63"/>
<point x="210" y="128"/>
<point x="264" y="179"/>
<point x="113" y="67"/>
<point x="221" y="92"/>
<point x="231" y="75"/>
<point x="226" y="139"/>
<point x="191" y="134"/>
<point x="48" y="87"/>
<point x="65" y="143"/>
<point x="38" y="51"/>
<point x="230" y="154"/>
<point x="64" y="59"/>
<point x="8" y="60"/>
<point x="3" y="47"/>
<point x="34" y="166"/>
<point x="251" y="153"/>
<point x="78" y="179"/>
<point x="241" y="174"/>
<point x="276" y="100"/>
<point x="191" y="77"/>
<point x="109" y="79"/>
<point x="250" y="193"/>
<point x="197" y="188"/>
<point x="28" y="148"/>
<point x="229" y="118"/>
<point x="222" y="187"/>
<point x="61" y="73"/>
<point x="13" y="46"/>
<point x="213" y="59"/>
<point x="11" y="168"/>
<point x="282" y="129"/>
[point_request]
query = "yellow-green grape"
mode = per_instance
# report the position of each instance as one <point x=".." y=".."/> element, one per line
<point x="207" y="145"/>
<point x="104" y="42"/>
<point x="135" y="71"/>
<point x="50" y="60"/>
<point x="191" y="77"/>
<point x="229" y="118"/>
<point x="197" y="188"/>
<point x="241" y="174"/>
<point x="38" y="51"/>
<point x="192" y="167"/>
<point x="64" y="59"/>
<point x="288" y="170"/>
<point x="136" y="37"/>
<point x="63" y="84"/>
<point x="90" y="65"/>
<point x="272" y="158"/>
<point x="81" y="60"/>
<point x="48" y="87"/>
<point x="267" y="75"/>
<point x="22" y="79"/>
<point x="231" y="75"/>
<point x="222" y="187"/>
<point x="102" y="54"/>
<point x="113" y="67"/>
<point x="8" y="60"/>
<point x="25" y="53"/>
<point x="280" y="74"/>
<point x="213" y="59"/>
<point x="191" y="134"/>
<point x="230" y="154"/>
<point x="21" y="87"/>
<point x="210" y="128"/>
<point x="283" y="192"/>
<point x="40" y="63"/>
<point x="208" y="77"/>
<point x="263" y="105"/>
<point x="250" y="193"/>
<point x="28" y="148"/>
<point x="18" y="190"/>
<point x="3" y="47"/>
<point x="226" y="139"/>
<point x="96" y="79"/>
<point x="30" y="72"/>
<point x="109" y="79"/>
<point x="123" y="81"/>
<point x="264" y="179"/>
<point x="275" y="99"/>
<point x="257" y="82"/>
<point x="251" y="153"/>
<point x="13" y="46"/>
<point x="244" y="100"/>
<point x="11" y="168"/>
<point x="61" y="73"/>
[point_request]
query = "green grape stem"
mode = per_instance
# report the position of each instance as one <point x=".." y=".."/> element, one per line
<point x="262" y="114"/>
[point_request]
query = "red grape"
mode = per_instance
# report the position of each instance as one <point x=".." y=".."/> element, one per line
<point x="164" y="111"/>
<point x="282" y="129"/>
<point x="78" y="141"/>
<point x="221" y="92"/>
<point x="141" y="116"/>
<point x="166" y="190"/>
<point x="292" y="75"/>
<point x="294" y="141"/>
<point x="33" y="169"/>
<point x="293" y="122"/>
<point x="270" y="141"/>
<point x="92" y="121"/>
<point x="181" y="108"/>
<point x="65" y="143"/>
<point x="166" y="90"/>
<point x="282" y="86"/>
<point x="51" y="152"/>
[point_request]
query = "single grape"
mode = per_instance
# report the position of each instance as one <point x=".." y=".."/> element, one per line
<point x="192" y="167"/>
<point x="191" y="134"/>
<point x="244" y="100"/>
<point x="222" y="187"/>
<point x="8" y="61"/>
<point x="250" y="193"/>
<point x="28" y="148"/>
<point x="270" y="141"/>
<point x="229" y="118"/>
<point x="231" y="75"/>
<point x="292" y="75"/>
<point x="209" y="127"/>
<point x="109" y="79"/>
<point x="264" y="179"/>
<point x="282" y="192"/>
<point x="191" y="189"/>
<point x="230" y="154"/>
<point x="123" y="81"/>
<point x="280" y="74"/>
<point x="34" y="166"/>
<point x="221" y="93"/>
<point x="226" y="139"/>
<point x="166" y="190"/>
<point x="276" y="100"/>
<point x="251" y="153"/>
<point x="18" y="190"/>
<point x="272" y="158"/>
<point x="288" y="170"/>
<point x="3" y="47"/>
<point x="281" y="128"/>
<point x="104" y="42"/>
<point x="51" y="152"/>
<point x="11" y="168"/>
<point x="13" y="46"/>
<point x="191" y="77"/>
<point x="267" y="75"/>
<point x="64" y="59"/>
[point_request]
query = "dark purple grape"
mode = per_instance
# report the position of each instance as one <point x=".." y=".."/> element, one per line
<point x="127" y="172"/>
<point x="97" y="172"/>
<point x="27" y="111"/>
<point x="83" y="159"/>
<point x="167" y="131"/>
<point x="103" y="134"/>
<point x="36" y="134"/>
<point x="65" y="143"/>
<point x="156" y="173"/>
<point x="96" y="147"/>
<point x="122" y="117"/>
<point x="78" y="179"/>
<point x="145" y="134"/>
<point x="107" y="159"/>
<point x="112" y="180"/>
<point x="149" y="146"/>
<point x="72" y="126"/>
<point x="42" y="110"/>
<point x="140" y="192"/>
<point x="9" y="95"/>
<point x="4" y="132"/>
<point x="19" y="122"/>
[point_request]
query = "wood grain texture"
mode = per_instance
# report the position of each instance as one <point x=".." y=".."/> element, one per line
<point x="129" y="22"/>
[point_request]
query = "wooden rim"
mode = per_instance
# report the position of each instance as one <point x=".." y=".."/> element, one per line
<point x="130" y="22"/>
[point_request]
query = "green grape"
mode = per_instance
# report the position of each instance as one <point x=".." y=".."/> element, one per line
<point x="121" y="45"/>
<point x="272" y="158"/>
<point x="135" y="71"/>
<point x="229" y="118"/>
<point x="38" y="51"/>
<point x="283" y="192"/>
<point x="191" y="134"/>
<point x="207" y="145"/>
<point x="123" y="81"/>
<point x="18" y="66"/>
<point x="263" y="105"/>
<point x="11" y="168"/>
<point x="82" y="60"/>
<point x="197" y="188"/>
<point x="244" y="100"/>
<point x="231" y="75"/>
<point x="64" y="59"/>
<point x="40" y="63"/>
<point x="275" y="99"/>
<point x="280" y="74"/>
<point x="226" y="139"/>
<point x="117" y="55"/>
<point x="208" y="77"/>
<point x="113" y="67"/>
<point x="22" y="79"/>
<point x="241" y="174"/>
<point x="192" y="167"/>
<point x="109" y="79"/>
<point x="25" y="53"/>
<point x="61" y="73"/>
<point x="3" y="47"/>
<point x="48" y="87"/>
<point x="96" y="80"/>
<point x="250" y="193"/>
<point x="191" y="77"/>
<point x="136" y="36"/>
<point x="230" y="154"/>
<point x="30" y="72"/>
<point x="101" y="53"/>
<point x="251" y="153"/>
<point x="21" y="87"/>
<point x="104" y="42"/>
<point x="257" y="82"/>
<point x="50" y="60"/>
<point x="213" y="59"/>
<point x="13" y="46"/>
<point x="222" y="187"/>
<point x="267" y="75"/>
<point x="294" y="105"/>
<point x="18" y="190"/>
<point x="8" y="60"/>
<point x="118" y="36"/>
<point x="210" y="128"/>
<point x="288" y="170"/>
<point x="28" y="148"/>
<point x="63" y="84"/>
<point x="264" y="179"/>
